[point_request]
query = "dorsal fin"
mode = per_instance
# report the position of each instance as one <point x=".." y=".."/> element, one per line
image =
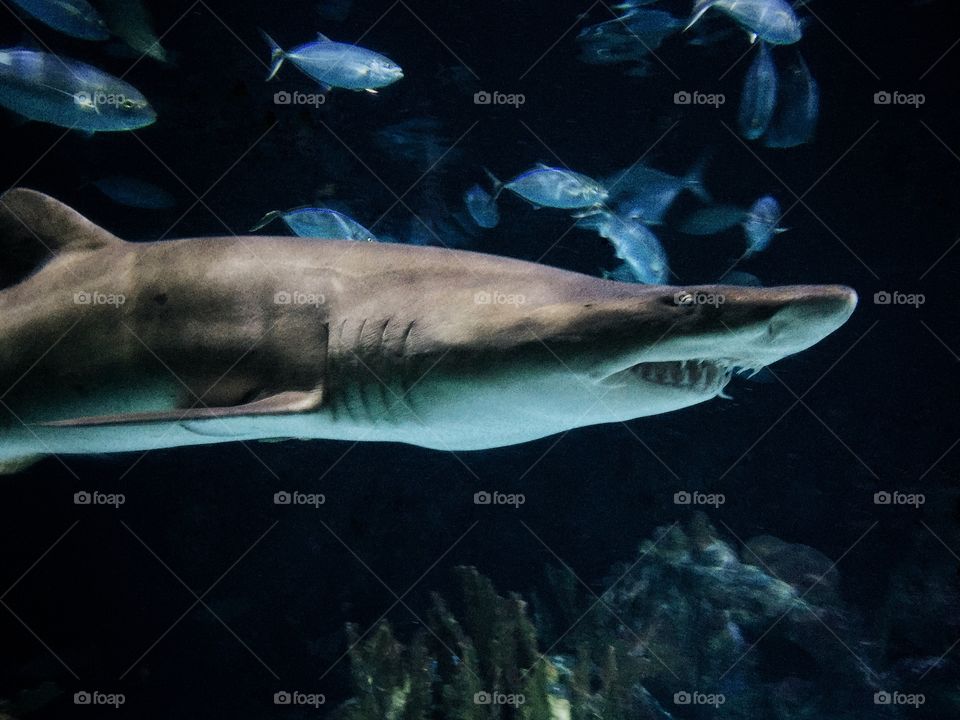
<point x="34" y="227"/>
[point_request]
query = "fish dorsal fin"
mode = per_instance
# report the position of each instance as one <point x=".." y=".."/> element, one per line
<point x="34" y="227"/>
<point x="323" y="38"/>
<point x="699" y="8"/>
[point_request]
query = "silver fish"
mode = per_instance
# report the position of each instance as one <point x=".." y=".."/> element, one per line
<point x="740" y="279"/>
<point x="712" y="220"/>
<point x="134" y="192"/>
<point x="337" y="65"/>
<point x="646" y="194"/>
<point x="482" y="207"/>
<point x="634" y="243"/>
<point x="630" y="37"/>
<point x="72" y="94"/>
<point x="798" y="109"/>
<point x="759" y="97"/>
<point x="771" y="20"/>
<point x="555" y="187"/>
<point x="319" y="223"/>
<point x="131" y="22"/>
<point x="76" y="18"/>
<point x="760" y="224"/>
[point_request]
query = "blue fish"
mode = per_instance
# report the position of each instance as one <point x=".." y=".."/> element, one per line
<point x="712" y="220"/>
<point x="76" y="18"/>
<point x="760" y="225"/>
<point x="771" y="20"/>
<point x="646" y="194"/>
<point x="554" y="187"/>
<point x="482" y="207"/>
<point x="134" y="192"/>
<point x="68" y="93"/>
<point x="740" y="279"/>
<point x="759" y="222"/>
<point x="337" y="65"/>
<point x="634" y="243"/>
<point x="319" y="223"/>
<point x="630" y="37"/>
<point x="795" y="119"/>
<point x="759" y="97"/>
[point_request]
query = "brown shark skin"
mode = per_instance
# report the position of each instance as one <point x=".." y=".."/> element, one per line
<point x="226" y="322"/>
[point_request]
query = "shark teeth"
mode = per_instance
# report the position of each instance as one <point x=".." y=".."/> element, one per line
<point x="701" y="376"/>
<point x="695" y="375"/>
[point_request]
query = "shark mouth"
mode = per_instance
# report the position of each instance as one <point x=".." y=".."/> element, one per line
<point x="699" y="376"/>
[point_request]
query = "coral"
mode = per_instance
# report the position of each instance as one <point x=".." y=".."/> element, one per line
<point x="763" y="631"/>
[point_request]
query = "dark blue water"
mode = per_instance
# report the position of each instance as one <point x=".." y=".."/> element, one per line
<point x="201" y="598"/>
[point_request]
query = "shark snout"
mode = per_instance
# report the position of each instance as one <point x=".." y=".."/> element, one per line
<point x="739" y="326"/>
<point x="810" y="316"/>
<point x="767" y="324"/>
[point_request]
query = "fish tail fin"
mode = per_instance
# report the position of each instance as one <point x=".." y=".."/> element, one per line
<point x="34" y="228"/>
<point x="699" y="8"/>
<point x="497" y="185"/>
<point x="277" y="56"/>
<point x="694" y="179"/>
<point x="266" y="220"/>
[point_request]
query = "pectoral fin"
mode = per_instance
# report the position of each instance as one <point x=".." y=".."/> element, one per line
<point x="285" y="403"/>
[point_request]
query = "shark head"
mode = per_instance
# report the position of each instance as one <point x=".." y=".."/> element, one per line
<point x="683" y="344"/>
<point x="693" y="339"/>
<point x="612" y="352"/>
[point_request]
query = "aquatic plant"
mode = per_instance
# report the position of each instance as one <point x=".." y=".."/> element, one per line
<point x="762" y="630"/>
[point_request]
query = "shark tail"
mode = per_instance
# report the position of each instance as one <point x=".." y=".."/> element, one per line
<point x="277" y="56"/>
<point x="699" y="8"/>
<point x="267" y="219"/>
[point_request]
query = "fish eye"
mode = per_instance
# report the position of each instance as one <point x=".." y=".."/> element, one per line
<point x="128" y="104"/>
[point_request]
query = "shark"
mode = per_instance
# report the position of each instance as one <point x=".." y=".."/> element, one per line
<point x="111" y="346"/>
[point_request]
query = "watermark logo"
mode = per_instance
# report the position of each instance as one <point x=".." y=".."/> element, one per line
<point x="95" y="697"/>
<point x="714" y="500"/>
<point x="885" y="97"/>
<point x="884" y="697"/>
<point x="295" y="297"/>
<point x="95" y="100"/>
<point x="299" y="98"/>
<point x="914" y="300"/>
<point x="498" y="98"/>
<point x="314" y="500"/>
<point x="82" y="297"/>
<point x="514" y="500"/>
<point x="114" y="500"/>
<point x="683" y="297"/>
<point x="684" y="97"/>
<point x="498" y="298"/>
<point x="295" y="697"/>
<point x="698" y="698"/>
<point x="897" y="498"/>
<point x="498" y="698"/>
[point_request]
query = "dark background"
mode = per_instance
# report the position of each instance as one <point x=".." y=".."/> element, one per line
<point x="880" y="416"/>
